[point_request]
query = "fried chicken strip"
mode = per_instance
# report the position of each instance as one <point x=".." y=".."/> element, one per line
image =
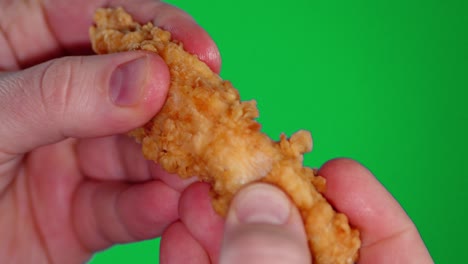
<point x="204" y="130"/>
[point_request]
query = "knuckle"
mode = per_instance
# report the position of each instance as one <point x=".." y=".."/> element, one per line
<point x="57" y="82"/>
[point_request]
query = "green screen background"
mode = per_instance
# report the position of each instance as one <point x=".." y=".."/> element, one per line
<point x="383" y="82"/>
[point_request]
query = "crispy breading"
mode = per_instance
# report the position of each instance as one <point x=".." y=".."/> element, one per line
<point x="204" y="130"/>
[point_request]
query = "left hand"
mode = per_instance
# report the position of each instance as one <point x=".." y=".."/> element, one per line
<point x="70" y="185"/>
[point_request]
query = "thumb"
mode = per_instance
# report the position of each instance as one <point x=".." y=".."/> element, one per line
<point x="79" y="97"/>
<point x="263" y="226"/>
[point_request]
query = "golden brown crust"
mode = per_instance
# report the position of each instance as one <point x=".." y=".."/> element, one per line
<point x="205" y="130"/>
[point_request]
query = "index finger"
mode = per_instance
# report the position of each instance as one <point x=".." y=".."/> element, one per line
<point x="68" y="22"/>
<point x="388" y="235"/>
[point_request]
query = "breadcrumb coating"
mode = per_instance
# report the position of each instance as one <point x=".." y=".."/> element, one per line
<point x="204" y="130"/>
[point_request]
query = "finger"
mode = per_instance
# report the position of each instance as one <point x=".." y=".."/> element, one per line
<point x="110" y="213"/>
<point x="52" y="178"/>
<point x="80" y="97"/>
<point x="178" y="246"/>
<point x="19" y="34"/>
<point x="179" y="23"/>
<point x="202" y="222"/>
<point x="119" y="158"/>
<point x="352" y="188"/>
<point x="113" y="158"/>
<point x="384" y="225"/>
<point x="263" y="226"/>
<point x="172" y="180"/>
<point x="8" y="61"/>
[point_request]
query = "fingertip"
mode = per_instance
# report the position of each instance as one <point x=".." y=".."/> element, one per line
<point x="196" y="195"/>
<point x="179" y="246"/>
<point x="182" y="26"/>
<point x="343" y="175"/>
<point x="356" y="192"/>
<point x="342" y="165"/>
<point x="137" y="83"/>
<point x="172" y="180"/>
<point x="197" y="214"/>
<point x="158" y="81"/>
<point x="259" y="203"/>
<point x="263" y="226"/>
<point x="265" y="204"/>
<point x="194" y="38"/>
<point x="196" y="41"/>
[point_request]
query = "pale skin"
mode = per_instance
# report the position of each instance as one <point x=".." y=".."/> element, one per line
<point x="72" y="185"/>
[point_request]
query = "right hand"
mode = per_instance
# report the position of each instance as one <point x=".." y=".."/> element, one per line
<point x="388" y="235"/>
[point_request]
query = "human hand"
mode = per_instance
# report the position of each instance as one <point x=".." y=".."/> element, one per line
<point x="68" y="186"/>
<point x="263" y="227"/>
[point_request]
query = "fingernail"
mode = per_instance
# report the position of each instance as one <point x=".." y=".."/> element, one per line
<point x="128" y="81"/>
<point x="262" y="203"/>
